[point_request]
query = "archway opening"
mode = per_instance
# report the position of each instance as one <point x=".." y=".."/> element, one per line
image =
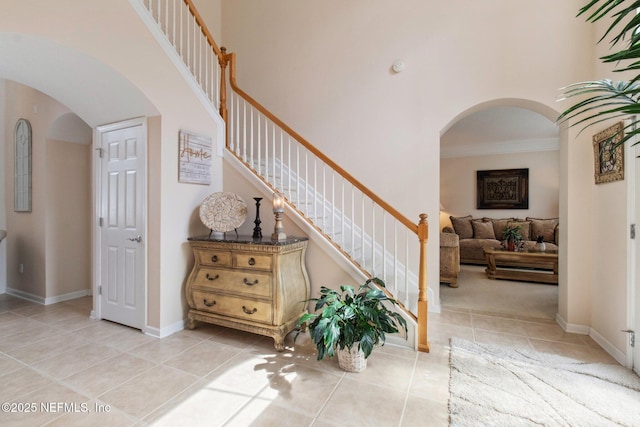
<point x="496" y="136"/>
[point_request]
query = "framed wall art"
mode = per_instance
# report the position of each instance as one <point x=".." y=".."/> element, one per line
<point x="608" y="154"/>
<point x="503" y="189"/>
<point x="195" y="154"/>
<point x="22" y="167"/>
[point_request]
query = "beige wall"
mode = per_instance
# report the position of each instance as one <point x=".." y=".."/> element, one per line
<point x="325" y="69"/>
<point x="458" y="184"/>
<point x="211" y="12"/>
<point x="35" y="237"/>
<point x="68" y="217"/>
<point x="607" y="215"/>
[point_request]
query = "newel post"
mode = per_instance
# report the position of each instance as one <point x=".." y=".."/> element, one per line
<point x="223" y="61"/>
<point x="423" y="303"/>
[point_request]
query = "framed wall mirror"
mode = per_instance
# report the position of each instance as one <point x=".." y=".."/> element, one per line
<point x="22" y="167"/>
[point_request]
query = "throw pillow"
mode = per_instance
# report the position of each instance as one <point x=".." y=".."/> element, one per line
<point x="462" y="226"/>
<point x="525" y="228"/>
<point x="543" y="227"/>
<point x="482" y="230"/>
<point x="498" y="225"/>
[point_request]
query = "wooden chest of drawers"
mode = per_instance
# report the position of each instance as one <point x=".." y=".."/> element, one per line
<point x="254" y="286"/>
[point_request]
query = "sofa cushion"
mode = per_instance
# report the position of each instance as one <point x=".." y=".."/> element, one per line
<point x="543" y="227"/>
<point x="462" y="226"/>
<point x="525" y="228"/>
<point x="498" y="226"/>
<point x="482" y="230"/>
<point x="472" y="250"/>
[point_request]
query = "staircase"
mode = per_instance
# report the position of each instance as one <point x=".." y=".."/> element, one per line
<point x="361" y="228"/>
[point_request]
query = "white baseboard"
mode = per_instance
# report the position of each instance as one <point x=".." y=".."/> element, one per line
<point x="602" y="341"/>
<point x="67" y="297"/>
<point x="571" y="327"/>
<point x="49" y="300"/>
<point x="608" y="347"/>
<point x="25" y="295"/>
<point x="165" y="332"/>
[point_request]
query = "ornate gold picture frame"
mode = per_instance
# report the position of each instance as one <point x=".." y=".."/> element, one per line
<point x="609" y="156"/>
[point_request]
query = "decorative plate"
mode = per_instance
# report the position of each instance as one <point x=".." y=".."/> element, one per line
<point x="223" y="212"/>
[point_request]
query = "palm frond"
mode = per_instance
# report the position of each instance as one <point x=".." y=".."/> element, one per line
<point x="603" y="100"/>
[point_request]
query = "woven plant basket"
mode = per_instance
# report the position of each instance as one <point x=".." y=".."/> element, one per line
<point x="352" y="360"/>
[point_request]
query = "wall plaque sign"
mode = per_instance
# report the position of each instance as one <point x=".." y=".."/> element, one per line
<point x="194" y="158"/>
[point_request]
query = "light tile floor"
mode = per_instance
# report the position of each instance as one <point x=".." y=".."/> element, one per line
<point x="60" y="368"/>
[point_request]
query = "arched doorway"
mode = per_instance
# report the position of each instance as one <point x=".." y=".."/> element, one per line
<point x="74" y="95"/>
<point x="502" y="134"/>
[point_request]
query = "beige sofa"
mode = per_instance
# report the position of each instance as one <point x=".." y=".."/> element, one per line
<point x="475" y="234"/>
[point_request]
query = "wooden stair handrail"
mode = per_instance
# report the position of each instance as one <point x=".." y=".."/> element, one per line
<point x="231" y="60"/>
<point x="203" y="28"/>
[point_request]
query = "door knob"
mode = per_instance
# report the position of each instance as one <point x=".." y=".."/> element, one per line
<point x="135" y="239"/>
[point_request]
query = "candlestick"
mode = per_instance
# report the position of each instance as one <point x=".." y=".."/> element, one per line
<point x="278" y="203"/>
<point x="257" y="231"/>
<point x="278" y="210"/>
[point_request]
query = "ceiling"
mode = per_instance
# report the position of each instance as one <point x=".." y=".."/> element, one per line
<point x="500" y="130"/>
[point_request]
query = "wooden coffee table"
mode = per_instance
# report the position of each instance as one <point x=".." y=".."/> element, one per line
<point x="500" y="256"/>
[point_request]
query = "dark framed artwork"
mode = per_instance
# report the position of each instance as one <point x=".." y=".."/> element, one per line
<point x="503" y="189"/>
<point x="608" y="154"/>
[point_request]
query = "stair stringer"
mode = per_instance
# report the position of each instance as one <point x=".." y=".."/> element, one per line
<point x="326" y="245"/>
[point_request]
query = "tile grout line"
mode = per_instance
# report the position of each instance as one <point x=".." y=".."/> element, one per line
<point x="324" y="405"/>
<point x="406" y="397"/>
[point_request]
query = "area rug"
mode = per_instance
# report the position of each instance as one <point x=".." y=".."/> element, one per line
<point x="500" y="386"/>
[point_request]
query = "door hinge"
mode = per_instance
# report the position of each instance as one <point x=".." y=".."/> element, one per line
<point x="99" y="290"/>
<point x="632" y="337"/>
<point x="101" y="221"/>
<point x="632" y="231"/>
<point x="100" y="151"/>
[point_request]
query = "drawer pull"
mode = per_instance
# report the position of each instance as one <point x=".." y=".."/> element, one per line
<point x="246" y="310"/>
<point x="212" y="278"/>
<point x="248" y="283"/>
<point x="214" y="258"/>
<point x="252" y="261"/>
<point x="208" y="304"/>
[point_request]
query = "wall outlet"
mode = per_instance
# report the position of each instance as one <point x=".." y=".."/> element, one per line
<point x="21" y="268"/>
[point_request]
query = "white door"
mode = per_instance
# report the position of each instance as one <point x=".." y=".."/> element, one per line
<point x="122" y="226"/>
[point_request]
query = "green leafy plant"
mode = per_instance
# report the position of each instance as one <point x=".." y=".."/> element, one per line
<point x="348" y="316"/>
<point x="602" y="100"/>
<point x="512" y="233"/>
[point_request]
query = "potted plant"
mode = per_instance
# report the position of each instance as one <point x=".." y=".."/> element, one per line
<point x="351" y="322"/>
<point x="511" y="236"/>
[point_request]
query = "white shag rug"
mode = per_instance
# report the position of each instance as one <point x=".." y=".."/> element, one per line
<point x="499" y="386"/>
